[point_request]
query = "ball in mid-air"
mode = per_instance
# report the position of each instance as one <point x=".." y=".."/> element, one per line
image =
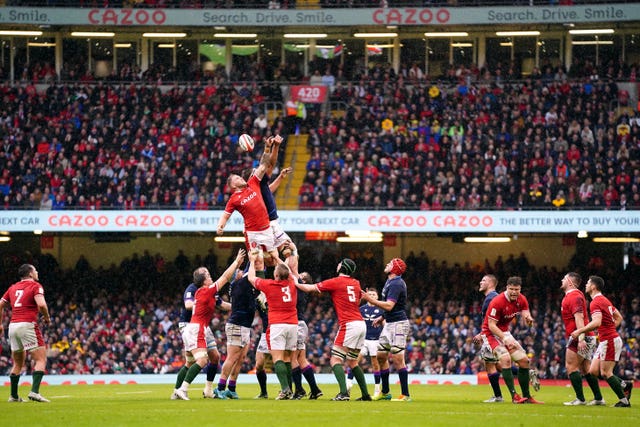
<point x="246" y="142"/>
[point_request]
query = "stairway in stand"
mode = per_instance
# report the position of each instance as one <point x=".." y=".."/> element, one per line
<point x="296" y="156"/>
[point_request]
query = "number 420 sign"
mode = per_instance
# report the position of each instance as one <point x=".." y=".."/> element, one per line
<point x="309" y="94"/>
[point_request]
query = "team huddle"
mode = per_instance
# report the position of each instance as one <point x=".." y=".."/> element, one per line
<point x="378" y="329"/>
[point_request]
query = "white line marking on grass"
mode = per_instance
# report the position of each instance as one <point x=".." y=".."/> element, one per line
<point x="134" y="392"/>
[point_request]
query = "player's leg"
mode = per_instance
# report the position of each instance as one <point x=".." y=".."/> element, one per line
<point x="384" y="347"/>
<point x="375" y="366"/>
<point x="507" y="375"/>
<point x="182" y="373"/>
<point x="338" y="356"/>
<point x="261" y="375"/>
<point x="573" y="363"/>
<point x="201" y="359"/>
<point x="398" y="357"/>
<point x="231" y="392"/>
<point x="400" y="336"/>
<point x="18" y="357"/>
<point x="593" y="382"/>
<point x="39" y="356"/>
<point x="353" y="361"/>
<point x="494" y="380"/>
<point x="233" y="355"/>
<point x="296" y="375"/>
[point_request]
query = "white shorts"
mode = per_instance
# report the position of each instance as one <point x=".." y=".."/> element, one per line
<point x="370" y="348"/>
<point x="303" y="335"/>
<point x="279" y="236"/>
<point x="516" y="351"/>
<point x="237" y="335"/>
<point x="394" y="336"/>
<point x="351" y="335"/>
<point x="262" y="344"/>
<point x="261" y="239"/>
<point x="25" y="336"/>
<point x="282" y="336"/>
<point x="195" y="336"/>
<point x="609" y="350"/>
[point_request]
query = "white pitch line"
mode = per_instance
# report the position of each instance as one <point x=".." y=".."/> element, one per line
<point x="134" y="392"/>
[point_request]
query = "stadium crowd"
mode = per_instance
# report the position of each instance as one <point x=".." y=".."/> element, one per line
<point x="472" y="139"/>
<point x="124" y="319"/>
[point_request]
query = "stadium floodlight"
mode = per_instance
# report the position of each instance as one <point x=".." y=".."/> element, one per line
<point x="590" y="42"/>
<point x="229" y="239"/>
<point x="487" y="239"/>
<point x="20" y="33"/>
<point x="356" y="239"/>
<point x="164" y="35"/>
<point x="583" y="234"/>
<point x="461" y="44"/>
<point x="614" y="239"/>
<point x="235" y="35"/>
<point x="517" y="33"/>
<point x="41" y="44"/>
<point x="448" y="34"/>
<point x="592" y="32"/>
<point x="122" y="45"/>
<point x="5" y="238"/>
<point x="92" y="34"/>
<point x="375" y="35"/>
<point x="305" y="35"/>
<point x="363" y="233"/>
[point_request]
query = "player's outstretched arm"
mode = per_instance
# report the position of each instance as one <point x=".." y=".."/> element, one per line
<point x="251" y="274"/>
<point x="231" y="270"/>
<point x="222" y="222"/>
<point x="282" y="175"/>
<point x="275" y="149"/>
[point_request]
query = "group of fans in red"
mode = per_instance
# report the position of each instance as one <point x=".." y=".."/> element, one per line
<point x="378" y="329"/>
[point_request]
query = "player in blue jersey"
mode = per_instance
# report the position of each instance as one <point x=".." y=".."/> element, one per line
<point x="212" y="347"/>
<point x="300" y="366"/>
<point x="238" y="330"/>
<point x="488" y="286"/>
<point x="262" y="350"/>
<point x="372" y="339"/>
<point x="396" y="330"/>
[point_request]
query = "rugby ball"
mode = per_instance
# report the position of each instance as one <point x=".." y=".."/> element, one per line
<point x="246" y="142"/>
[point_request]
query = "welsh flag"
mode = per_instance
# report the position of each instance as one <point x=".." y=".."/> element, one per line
<point x="374" y="50"/>
<point x="329" y="53"/>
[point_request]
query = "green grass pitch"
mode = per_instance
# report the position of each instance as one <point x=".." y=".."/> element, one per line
<point x="433" y="405"/>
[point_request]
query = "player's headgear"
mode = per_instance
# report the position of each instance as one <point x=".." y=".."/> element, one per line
<point x="398" y="266"/>
<point x="347" y="266"/>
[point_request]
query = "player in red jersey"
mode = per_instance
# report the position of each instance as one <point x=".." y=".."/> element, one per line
<point x="345" y="293"/>
<point x="282" y="332"/>
<point x="197" y="332"/>
<point x="579" y="352"/>
<point x="495" y="332"/>
<point x="26" y="299"/>
<point x="246" y="198"/>
<point x="606" y="318"/>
